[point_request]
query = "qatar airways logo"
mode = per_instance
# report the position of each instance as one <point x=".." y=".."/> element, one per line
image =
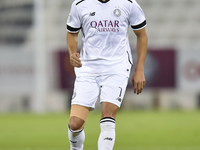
<point x="105" y="25"/>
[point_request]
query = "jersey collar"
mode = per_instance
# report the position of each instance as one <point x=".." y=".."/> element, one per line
<point x="103" y="1"/>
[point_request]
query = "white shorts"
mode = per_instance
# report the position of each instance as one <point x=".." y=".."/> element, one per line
<point x="109" y="88"/>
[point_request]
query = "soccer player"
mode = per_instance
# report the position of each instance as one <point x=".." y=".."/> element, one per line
<point x="103" y="66"/>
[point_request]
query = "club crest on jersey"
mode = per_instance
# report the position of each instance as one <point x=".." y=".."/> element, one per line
<point x="117" y="12"/>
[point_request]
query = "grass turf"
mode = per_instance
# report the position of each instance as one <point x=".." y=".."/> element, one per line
<point x="135" y="130"/>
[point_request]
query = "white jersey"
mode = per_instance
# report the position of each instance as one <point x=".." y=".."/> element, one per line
<point x="104" y="26"/>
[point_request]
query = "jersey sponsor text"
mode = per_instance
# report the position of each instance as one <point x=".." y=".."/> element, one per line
<point x="105" y="25"/>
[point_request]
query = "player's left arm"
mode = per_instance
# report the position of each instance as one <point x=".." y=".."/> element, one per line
<point x="138" y="78"/>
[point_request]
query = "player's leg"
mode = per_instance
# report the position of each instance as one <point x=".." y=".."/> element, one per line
<point x="78" y="117"/>
<point x="107" y="123"/>
<point x="112" y="93"/>
<point x="85" y="95"/>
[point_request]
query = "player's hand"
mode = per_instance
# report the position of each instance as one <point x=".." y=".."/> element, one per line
<point x="75" y="61"/>
<point x="138" y="81"/>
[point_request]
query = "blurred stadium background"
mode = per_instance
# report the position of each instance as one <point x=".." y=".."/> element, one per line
<point x="35" y="75"/>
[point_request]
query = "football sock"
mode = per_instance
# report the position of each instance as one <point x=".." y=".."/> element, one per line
<point x="107" y="136"/>
<point x="76" y="139"/>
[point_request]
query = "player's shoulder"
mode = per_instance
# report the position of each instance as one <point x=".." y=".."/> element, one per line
<point x="126" y="3"/>
<point x="78" y="2"/>
<point x="130" y="1"/>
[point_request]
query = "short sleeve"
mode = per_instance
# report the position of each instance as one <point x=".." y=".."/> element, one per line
<point x="136" y="17"/>
<point x="73" y="22"/>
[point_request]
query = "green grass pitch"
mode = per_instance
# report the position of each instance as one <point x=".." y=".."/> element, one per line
<point x="135" y="130"/>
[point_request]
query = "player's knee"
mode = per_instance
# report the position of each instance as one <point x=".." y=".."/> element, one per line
<point x="76" y="123"/>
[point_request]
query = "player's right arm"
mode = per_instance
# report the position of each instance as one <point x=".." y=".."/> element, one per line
<point x="72" y="48"/>
<point x="73" y="28"/>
